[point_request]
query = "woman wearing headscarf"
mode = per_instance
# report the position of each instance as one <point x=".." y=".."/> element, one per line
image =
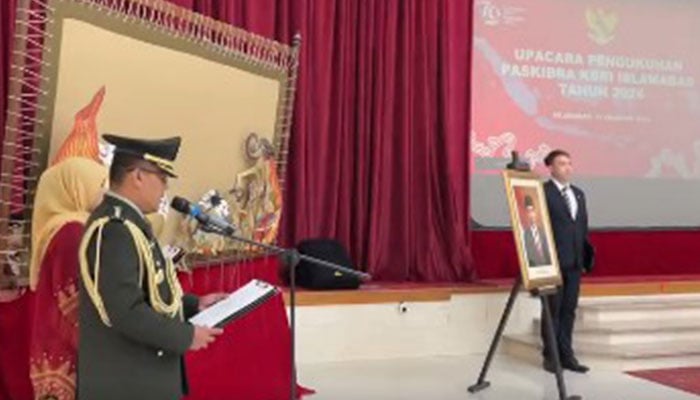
<point x="66" y="193"/>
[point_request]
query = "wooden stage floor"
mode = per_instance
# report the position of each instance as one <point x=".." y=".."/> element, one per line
<point x="387" y="292"/>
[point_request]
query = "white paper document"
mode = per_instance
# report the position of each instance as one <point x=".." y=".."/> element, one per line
<point x="236" y="305"/>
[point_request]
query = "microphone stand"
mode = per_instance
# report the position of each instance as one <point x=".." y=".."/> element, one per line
<point x="290" y="257"/>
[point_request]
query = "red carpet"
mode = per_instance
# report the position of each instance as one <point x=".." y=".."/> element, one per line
<point x="686" y="379"/>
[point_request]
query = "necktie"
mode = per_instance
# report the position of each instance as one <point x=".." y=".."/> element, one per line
<point x="538" y="241"/>
<point x="567" y="200"/>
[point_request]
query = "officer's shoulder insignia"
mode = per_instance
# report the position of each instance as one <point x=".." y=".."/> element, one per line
<point x="116" y="214"/>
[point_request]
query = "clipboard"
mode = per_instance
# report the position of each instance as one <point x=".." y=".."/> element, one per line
<point x="236" y="305"/>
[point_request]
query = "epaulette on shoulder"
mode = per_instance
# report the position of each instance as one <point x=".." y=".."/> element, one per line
<point x="116" y="215"/>
<point x="109" y="216"/>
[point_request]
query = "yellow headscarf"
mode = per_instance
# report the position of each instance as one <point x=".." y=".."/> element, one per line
<point x="66" y="192"/>
<point x="157" y="221"/>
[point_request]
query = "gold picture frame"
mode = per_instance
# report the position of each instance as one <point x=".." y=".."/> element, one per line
<point x="532" y="230"/>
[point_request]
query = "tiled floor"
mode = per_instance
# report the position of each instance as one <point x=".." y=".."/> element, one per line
<point x="447" y="378"/>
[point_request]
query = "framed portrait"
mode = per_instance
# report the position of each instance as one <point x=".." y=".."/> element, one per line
<point x="532" y="230"/>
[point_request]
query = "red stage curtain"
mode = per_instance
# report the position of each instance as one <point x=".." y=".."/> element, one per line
<point x="380" y="127"/>
<point x="7" y="25"/>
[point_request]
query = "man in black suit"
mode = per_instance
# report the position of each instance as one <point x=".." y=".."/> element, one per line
<point x="569" y="219"/>
<point x="535" y="237"/>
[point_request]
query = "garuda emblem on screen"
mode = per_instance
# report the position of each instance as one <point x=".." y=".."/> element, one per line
<point x="601" y="25"/>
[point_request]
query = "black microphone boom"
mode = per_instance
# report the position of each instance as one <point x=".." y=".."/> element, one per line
<point x="207" y="222"/>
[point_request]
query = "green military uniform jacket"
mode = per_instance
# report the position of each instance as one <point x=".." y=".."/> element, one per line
<point x="140" y="356"/>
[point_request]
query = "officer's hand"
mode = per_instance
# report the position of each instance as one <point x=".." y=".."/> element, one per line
<point x="203" y="336"/>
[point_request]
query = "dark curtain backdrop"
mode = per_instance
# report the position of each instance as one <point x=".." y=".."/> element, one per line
<point x="380" y="137"/>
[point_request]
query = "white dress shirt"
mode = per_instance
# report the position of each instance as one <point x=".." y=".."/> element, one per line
<point x="566" y="190"/>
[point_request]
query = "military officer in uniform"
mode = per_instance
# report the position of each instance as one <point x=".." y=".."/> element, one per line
<point x="133" y="329"/>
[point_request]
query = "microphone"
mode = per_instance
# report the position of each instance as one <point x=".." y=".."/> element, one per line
<point x="207" y="222"/>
